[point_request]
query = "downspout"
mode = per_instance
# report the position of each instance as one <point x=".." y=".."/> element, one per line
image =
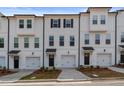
<point x="79" y="44"/>
<point x="116" y="38"/>
<point x="43" y="39"/>
<point x="8" y="45"/>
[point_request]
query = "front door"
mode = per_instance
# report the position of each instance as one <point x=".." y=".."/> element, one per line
<point x="86" y="58"/>
<point x="51" y="60"/>
<point x="122" y="57"/>
<point x="16" y="62"/>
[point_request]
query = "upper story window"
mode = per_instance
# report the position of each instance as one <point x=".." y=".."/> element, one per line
<point x="26" y="42"/>
<point x="16" y="42"/>
<point x="122" y="37"/>
<point x="108" y="39"/>
<point x="103" y="19"/>
<point x="72" y="41"/>
<point x="97" y="39"/>
<point x="29" y="23"/>
<point x="95" y="19"/>
<point x="21" y="23"/>
<point x="51" y="40"/>
<point x="36" y="42"/>
<point x="68" y="23"/>
<point x="1" y="42"/>
<point x="55" y="23"/>
<point x="61" y="40"/>
<point x="86" y="38"/>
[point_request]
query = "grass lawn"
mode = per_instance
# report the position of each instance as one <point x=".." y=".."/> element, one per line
<point x="6" y="72"/>
<point x="40" y="74"/>
<point x="100" y="72"/>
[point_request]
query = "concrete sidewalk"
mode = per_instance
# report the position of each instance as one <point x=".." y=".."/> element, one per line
<point x="15" y="77"/>
<point x="121" y="70"/>
<point x="71" y="74"/>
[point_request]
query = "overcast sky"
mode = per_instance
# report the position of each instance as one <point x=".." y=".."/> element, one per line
<point x="45" y="10"/>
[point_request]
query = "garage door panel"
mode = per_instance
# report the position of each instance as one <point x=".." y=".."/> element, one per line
<point x="33" y="62"/>
<point x="68" y="61"/>
<point x="2" y="61"/>
<point x="104" y="60"/>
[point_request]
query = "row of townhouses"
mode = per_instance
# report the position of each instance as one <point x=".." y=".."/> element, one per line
<point x="94" y="37"/>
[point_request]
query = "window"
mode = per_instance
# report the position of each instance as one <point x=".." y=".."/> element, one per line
<point x="55" y="23"/>
<point x="16" y="44"/>
<point x="95" y="18"/>
<point x="26" y="42"/>
<point x="51" y="40"/>
<point x="86" y="38"/>
<point x="61" y="40"/>
<point x="1" y="42"/>
<point x="29" y="23"/>
<point x="72" y="41"/>
<point x="68" y="23"/>
<point x="97" y="39"/>
<point x="122" y="37"/>
<point x="102" y="19"/>
<point x="108" y="38"/>
<point x="36" y="42"/>
<point x="21" y="23"/>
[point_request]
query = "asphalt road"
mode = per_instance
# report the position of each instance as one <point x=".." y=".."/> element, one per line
<point x="81" y="83"/>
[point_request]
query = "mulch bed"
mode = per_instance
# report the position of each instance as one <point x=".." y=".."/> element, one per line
<point x="7" y="72"/>
<point x="42" y="74"/>
<point x="100" y="72"/>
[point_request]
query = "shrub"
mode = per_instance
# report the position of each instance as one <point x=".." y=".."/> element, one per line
<point x="54" y="68"/>
<point x="91" y="66"/>
<point x="4" y="69"/>
<point x="97" y="67"/>
<point x="46" y="69"/>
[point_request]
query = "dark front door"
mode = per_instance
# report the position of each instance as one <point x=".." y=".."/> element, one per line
<point x="51" y="60"/>
<point x="16" y="62"/>
<point x="86" y="58"/>
<point x="122" y="57"/>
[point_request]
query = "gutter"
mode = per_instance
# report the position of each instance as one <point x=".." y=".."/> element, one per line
<point x="79" y="44"/>
<point x="116" y="38"/>
<point x="43" y="39"/>
<point x="8" y="44"/>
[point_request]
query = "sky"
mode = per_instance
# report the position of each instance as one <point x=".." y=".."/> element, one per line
<point x="9" y="11"/>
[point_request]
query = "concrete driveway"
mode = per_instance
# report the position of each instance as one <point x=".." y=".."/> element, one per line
<point x="71" y="74"/>
<point x="15" y="77"/>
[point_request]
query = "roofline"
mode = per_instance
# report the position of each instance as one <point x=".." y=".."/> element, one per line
<point x="88" y="10"/>
<point x="61" y="14"/>
<point x="121" y="10"/>
<point x="24" y="15"/>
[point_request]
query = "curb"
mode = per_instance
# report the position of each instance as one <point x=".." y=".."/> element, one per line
<point x="68" y="80"/>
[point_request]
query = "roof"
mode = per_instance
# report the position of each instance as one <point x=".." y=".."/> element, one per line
<point x="88" y="48"/>
<point x="24" y="15"/>
<point x="61" y="14"/>
<point x="88" y="10"/>
<point x="122" y="46"/>
<point x="14" y="51"/>
<point x="50" y="50"/>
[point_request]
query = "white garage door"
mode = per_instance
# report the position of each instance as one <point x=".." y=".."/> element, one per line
<point x="32" y="62"/>
<point x="68" y="61"/>
<point x="2" y="62"/>
<point x="104" y="60"/>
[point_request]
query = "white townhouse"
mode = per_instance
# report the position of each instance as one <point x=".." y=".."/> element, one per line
<point x="120" y="37"/>
<point x="61" y="40"/>
<point x="97" y="37"/>
<point x="91" y="38"/>
<point x="3" y="41"/>
<point x="26" y="41"/>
